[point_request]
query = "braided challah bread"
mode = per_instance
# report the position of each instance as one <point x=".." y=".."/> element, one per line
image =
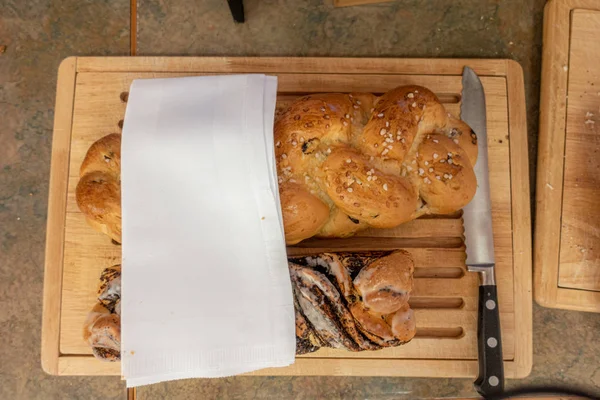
<point x="345" y="162"/>
<point x="350" y="301"/>
<point x="350" y="161"/>
<point x="98" y="192"/>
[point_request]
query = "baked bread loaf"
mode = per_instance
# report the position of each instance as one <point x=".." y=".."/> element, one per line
<point x="353" y="301"/>
<point x="102" y="328"/>
<point x="346" y="162"/>
<point x="347" y="301"/>
<point x="98" y="192"/>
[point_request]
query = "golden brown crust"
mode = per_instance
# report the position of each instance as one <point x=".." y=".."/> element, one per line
<point x="102" y="331"/>
<point x="446" y="178"/>
<point x="385" y="284"/>
<point x="98" y="192"/>
<point x="403" y="324"/>
<point x="360" y="155"/>
<point x="305" y="214"/>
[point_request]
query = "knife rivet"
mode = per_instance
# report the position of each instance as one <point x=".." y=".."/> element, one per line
<point x="494" y="381"/>
<point x="492" y="342"/>
<point x="490" y="304"/>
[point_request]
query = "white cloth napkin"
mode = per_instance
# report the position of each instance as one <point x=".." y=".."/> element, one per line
<point x="205" y="285"/>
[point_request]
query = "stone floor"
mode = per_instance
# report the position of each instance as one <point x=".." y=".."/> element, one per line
<point x="39" y="33"/>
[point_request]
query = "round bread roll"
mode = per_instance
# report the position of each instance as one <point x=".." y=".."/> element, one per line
<point x="346" y="162"/>
<point x="98" y="192"/>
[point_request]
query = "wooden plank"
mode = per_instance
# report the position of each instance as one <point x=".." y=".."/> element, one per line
<point x="558" y="237"/>
<point x="521" y="220"/>
<point x="445" y="297"/>
<point x="419" y="228"/>
<point x="304" y="65"/>
<point x="74" y="365"/>
<point x="56" y="215"/>
<point x="579" y="262"/>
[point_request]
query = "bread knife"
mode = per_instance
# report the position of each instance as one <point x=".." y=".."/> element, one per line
<point x="479" y="242"/>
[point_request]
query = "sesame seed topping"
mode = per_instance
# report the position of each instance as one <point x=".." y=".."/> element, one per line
<point x="387" y="124"/>
<point x="398" y="138"/>
<point x="390" y="147"/>
<point x="416" y="91"/>
<point x="449" y="154"/>
<point x="382" y="131"/>
<point x="345" y="123"/>
<point x="442" y="160"/>
<point x="278" y="144"/>
<point x="438" y="177"/>
<point x="380" y="115"/>
<point x="326" y="116"/>
<point x="385" y="187"/>
<point x="369" y="178"/>
<point x="421" y="171"/>
<point x="450" y="161"/>
<point x="408" y="168"/>
<point x="294" y="143"/>
<point x="349" y="189"/>
<point x="328" y="151"/>
<point x="417" y="118"/>
<point x="384" y="152"/>
<point x="374" y="177"/>
<point x="414" y="162"/>
<point x="323" y="109"/>
<point x="430" y="169"/>
<point x="389" y="140"/>
<point x="349" y="160"/>
<point x="358" y="102"/>
<point x="349" y="95"/>
<point x="376" y="145"/>
<point x="426" y="162"/>
<point x="280" y="180"/>
<point x="292" y="181"/>
<point x="435" y="141"/>
<point x="402" y="140"/>
<point x="372" y="109"/>
<point x="347" y="115"/>
<point x="284" y="156"/>
<point x="369" y="173"/>
<point x="371" y="158"/>
<point x="449" y="176"/>
<point x="355" y="107"/>
<point x="435" y="156"/>
<point x="446" y="176"/>
<point x="427" y="181"/>
<point x="455" y="141"/>
<point x="414" y="104"/>
<point x="410" y="95"/>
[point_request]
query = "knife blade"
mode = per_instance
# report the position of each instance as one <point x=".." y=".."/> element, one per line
<point x="479" y="242"/>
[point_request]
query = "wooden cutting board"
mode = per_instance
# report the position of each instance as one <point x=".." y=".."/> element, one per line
<point x="91" y="101"/>
<point x="567" y="239"/>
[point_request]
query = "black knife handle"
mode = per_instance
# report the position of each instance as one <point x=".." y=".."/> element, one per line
<point x="491" y="368"/>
